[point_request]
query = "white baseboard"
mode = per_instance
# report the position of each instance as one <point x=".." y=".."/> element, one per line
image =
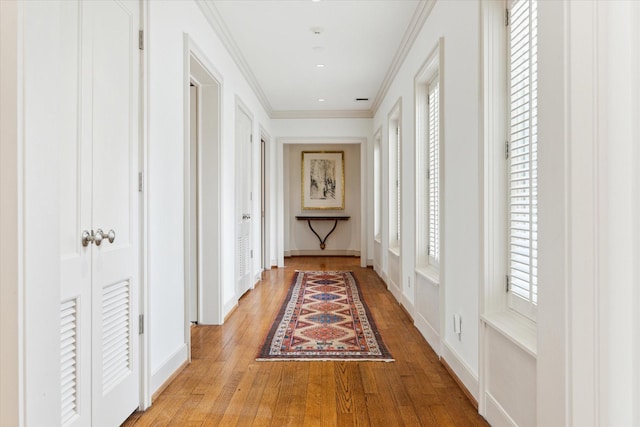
<point x="461" y="369"/>
<point x="395" y="291"/>
<point x="168" y="368"/>
<point x="408" y="307"/>
<point x="370" y="262"/>
<point x="429" y="333"/>
<point x="495" y="413"/>
<point x="327" y="252"/>
<point x="229" y="307"/>
<point x="381" y="274"/>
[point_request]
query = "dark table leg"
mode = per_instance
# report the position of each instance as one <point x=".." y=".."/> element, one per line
<point x="322" y="241"/>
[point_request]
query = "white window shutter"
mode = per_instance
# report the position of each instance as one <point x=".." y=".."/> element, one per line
<point x="523" y="158"/>
<point x="434" y="172"/>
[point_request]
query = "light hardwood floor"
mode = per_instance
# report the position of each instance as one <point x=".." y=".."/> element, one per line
<point x="225" y="386"/>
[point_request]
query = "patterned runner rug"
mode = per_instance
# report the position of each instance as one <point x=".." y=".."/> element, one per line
<point x="324" y="318"/>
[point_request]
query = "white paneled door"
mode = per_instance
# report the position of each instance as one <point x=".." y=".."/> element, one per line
<point x="243" y="201"/>
<point x="99" y="216"/>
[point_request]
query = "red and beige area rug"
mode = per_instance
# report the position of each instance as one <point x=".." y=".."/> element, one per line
<point x="324" y="318"/>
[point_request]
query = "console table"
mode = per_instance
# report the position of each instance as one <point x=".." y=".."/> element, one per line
<point x="322" y="218"/>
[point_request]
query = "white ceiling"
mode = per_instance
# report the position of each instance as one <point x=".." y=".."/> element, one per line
<point x="361" y="44"/>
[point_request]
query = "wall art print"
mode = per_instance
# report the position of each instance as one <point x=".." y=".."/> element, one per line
<point x="323" y="180"/>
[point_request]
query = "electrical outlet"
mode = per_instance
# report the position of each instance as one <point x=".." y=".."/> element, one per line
<point x="457" y="325"/>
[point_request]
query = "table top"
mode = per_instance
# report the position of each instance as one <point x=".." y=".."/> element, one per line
<point x="323" y="217"/>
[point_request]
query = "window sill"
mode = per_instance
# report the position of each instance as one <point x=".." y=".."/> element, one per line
<point x="377" y="239"/>
<point x="516" y="328"/>
<point x="395" y="250"/>
<point x="429" y="273"/>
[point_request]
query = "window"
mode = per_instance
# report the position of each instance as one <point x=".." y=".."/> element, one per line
<point x="433" y="172"/>
<point x="394" y="176"/>
<point x="428" y="105"/>
<point x="377" y="184"/>
<point x="522" y="153"/>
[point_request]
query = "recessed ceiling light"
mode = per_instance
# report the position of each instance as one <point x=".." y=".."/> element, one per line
<point x="320" y="65"/>
<point x="321" y="100"/>
<point x="316" y="1"/>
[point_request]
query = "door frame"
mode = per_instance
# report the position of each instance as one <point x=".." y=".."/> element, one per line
<point x="265" y="162"/>
<point x="198" y="69"/>
<point x="282" y="211"/>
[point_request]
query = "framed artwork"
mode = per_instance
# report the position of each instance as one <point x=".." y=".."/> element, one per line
<point x="322" y="180"/>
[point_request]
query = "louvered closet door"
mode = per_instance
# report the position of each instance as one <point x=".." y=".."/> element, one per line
<point x="244" y="169"/>
<point x="99" y="308"/>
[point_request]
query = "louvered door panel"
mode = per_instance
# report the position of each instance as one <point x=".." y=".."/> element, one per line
<point x="69" y="361"/>
<point x="116" y="334"/>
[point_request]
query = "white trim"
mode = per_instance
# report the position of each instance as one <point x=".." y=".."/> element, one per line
<point x="144" y="301"/>
<point x="214" y="18"/>
<point x="321" y="114"/>
<point x="429" y="273"/>
<point x="12" y="366"/>
<point x="169" y="367"/>
<point x="230" y="305"/>
<point x="430" y="334"/>
<point x="423" y="10"/>
<point x="464" y="373"/>
<point x="518" y="329"/>
<point x="495" y="413"/>
<point x="395" y="115"/>
<point x="409" y="307"/>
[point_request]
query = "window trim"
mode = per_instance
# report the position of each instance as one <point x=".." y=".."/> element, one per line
<point x="431" y="70"/>
<point x="377" y="185"/>
<point x="395" y="179"/>
<point x="493" y="98"/>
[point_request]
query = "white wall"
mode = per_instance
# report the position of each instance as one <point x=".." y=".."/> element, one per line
<point x="168" y="21"/>
<point x="345" y="239"/>
<point x="457" y="23"/>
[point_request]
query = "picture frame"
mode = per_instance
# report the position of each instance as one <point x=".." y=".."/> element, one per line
<point x="322" y="180"/>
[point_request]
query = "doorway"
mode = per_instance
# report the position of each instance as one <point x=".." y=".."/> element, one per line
<point x="202" y="284"/>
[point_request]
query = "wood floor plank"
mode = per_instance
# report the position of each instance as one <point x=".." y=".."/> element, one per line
<point x="225" y="386"/>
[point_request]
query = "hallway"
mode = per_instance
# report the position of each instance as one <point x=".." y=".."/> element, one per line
<point x="225" y="386"/>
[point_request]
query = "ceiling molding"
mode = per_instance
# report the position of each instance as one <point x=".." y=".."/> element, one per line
<point x="322" y="114"/>
<point x="423" y="10"/>
<point x="212" y="15"/>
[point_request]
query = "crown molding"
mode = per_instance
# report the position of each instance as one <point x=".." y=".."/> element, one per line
<point x="322" y="114"/>
<point x="211" y="13"/>
<point x="423" y="10"/>
<point x="214" y="18"/>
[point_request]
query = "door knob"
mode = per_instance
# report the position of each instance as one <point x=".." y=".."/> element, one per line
<point x="100" y="235"/>
<point x="87" y="238"/>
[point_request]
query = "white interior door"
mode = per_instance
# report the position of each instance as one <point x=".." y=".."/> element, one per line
<point x="99" y="306"/>
<point x="243" y="201"/>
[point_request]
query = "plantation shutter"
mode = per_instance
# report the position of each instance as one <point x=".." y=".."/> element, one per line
<point x="398" y="182"/>
<point x="433" y="175"/>
<point x="523" y="158"/>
